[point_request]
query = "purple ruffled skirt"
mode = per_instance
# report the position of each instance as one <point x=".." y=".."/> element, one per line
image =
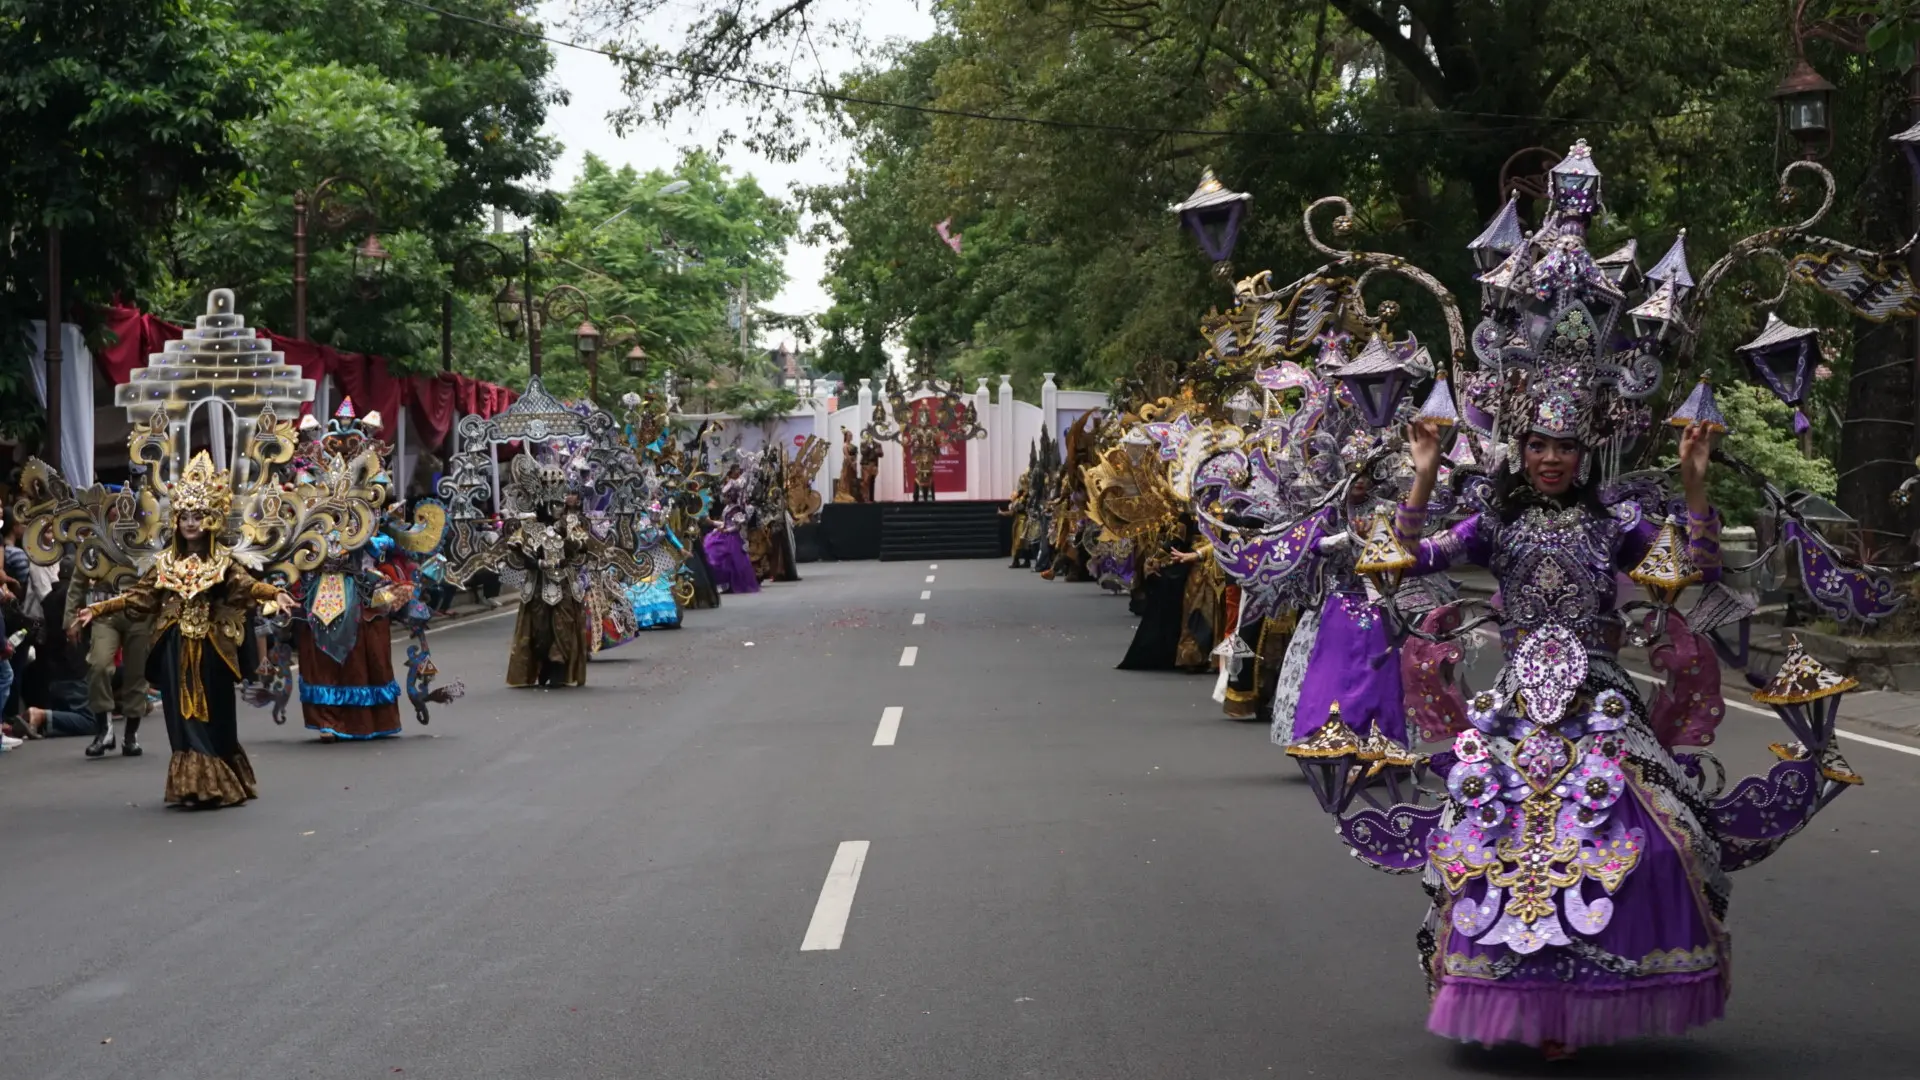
<point x="1354" y="664"/>
<point x="1657" y="969"/>
<point x="727" y="558"/>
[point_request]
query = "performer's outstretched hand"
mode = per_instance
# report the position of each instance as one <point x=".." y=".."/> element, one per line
<point x="1423" y="444"/>
<point x="1696" y="448"/>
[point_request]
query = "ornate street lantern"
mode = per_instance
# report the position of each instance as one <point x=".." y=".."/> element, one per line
<point x="370" y="265"/>
<point x="507" y="309"/>
<point x="1782" y="359"/>
<point x="636" y="362"/>
<point x="1213" y="213"/>
<point x="1805" y="101"/>
<point x="586" y="341"/>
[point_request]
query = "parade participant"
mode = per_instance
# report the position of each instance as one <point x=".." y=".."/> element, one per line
<point x="1183" y="613"/>
<point x="725" y="543"/>
<point x="116" y="655"/>
<point x="1349" y="667"/>
<point x="198" y="599"/>
<point x="343" y="629"/>
<point x="847" y="487"/>
<point x="1577" y="859"/>
<point x="689" y="524"/>
<point x="1651" y="955"/>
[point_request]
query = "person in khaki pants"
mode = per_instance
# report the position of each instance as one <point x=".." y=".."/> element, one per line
<point x="127" y="638"/>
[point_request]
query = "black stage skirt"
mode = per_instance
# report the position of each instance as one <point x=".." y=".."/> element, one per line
<point x="208" y="767"/>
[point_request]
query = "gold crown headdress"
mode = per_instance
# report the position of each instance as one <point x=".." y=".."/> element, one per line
<point x="202" y="488"/>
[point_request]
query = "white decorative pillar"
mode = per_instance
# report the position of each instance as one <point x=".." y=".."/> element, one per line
<point x="1006" y="439"/>
<point x="1050" y="407"/>
<point x="866" y="409"/>
<point x="980" y="453"/>
<point x="822" y="427"/>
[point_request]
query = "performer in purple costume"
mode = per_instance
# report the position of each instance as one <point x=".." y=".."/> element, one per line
<point x="726" y="547"/>
<point x="1353" y="667"/>
<point x="1641" y="950"/>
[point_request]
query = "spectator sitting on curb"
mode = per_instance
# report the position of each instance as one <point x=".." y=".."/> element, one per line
<point x="66" y="715"/>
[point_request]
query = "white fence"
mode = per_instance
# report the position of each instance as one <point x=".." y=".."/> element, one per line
<point x="993" y="463"/>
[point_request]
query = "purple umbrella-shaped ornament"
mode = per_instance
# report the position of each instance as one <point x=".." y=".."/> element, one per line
<point x="1213" y="212"/>
<point x="1376" y="378"/>
<point x="1782" y="361"/>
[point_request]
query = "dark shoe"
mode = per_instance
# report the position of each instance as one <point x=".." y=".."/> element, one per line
<point x="99" y="746"/>
<point x="130" y="747"/>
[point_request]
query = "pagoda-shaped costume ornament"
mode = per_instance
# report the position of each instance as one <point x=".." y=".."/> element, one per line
<point x="1699" y="408"/>
<point x="221" y="357"/>
<point x="1667" y="569"/>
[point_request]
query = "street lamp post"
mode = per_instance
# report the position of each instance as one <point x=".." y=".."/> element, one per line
<point x="370" y="253"/>
<point x="476" y="264"/>
<point x="563" y="303"/>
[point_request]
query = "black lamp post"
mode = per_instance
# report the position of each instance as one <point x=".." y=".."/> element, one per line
<point x="374" y="254"/>
<point x="473" y="266"/>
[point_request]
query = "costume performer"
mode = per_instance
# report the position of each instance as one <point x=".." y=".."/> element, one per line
<point x="726" y="546"/>
<point x="198" y="598"/>
<point x="343" y="630"/>
<point x="574" y="562"/>
<point x="1577" y="858"/>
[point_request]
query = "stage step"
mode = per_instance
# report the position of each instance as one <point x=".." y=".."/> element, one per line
<point x="942" y="530"/>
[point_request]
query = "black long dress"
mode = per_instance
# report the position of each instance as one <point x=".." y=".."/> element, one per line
<point x="199" y="605"/>
<point x="208" y="766"/>
<point x="705" y="593"/>
<point x="1156" y="642"/>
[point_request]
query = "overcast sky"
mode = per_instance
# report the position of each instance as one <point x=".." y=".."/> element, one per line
<point x="594" y="85"/>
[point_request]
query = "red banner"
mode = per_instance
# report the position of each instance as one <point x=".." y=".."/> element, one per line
<point x="949" y="469"/>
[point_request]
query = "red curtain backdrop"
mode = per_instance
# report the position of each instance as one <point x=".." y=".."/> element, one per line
<point x="949" y="469"/>
<point x="433" y="402"/>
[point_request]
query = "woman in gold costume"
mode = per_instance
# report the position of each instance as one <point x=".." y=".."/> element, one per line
<point x="198" y="599"/>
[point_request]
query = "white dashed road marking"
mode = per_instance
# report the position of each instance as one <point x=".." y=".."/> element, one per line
<point x="829" y="925"/>
<point x="889" y="726"/>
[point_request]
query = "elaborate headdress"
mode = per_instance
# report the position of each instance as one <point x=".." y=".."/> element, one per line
<point x="1551" y="340"/>
<point x="201" y="488"/>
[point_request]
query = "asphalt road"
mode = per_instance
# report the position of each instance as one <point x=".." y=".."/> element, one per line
<point x="1056" y="870"/>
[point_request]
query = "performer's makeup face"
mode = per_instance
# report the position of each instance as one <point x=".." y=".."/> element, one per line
<point x="1551" y="463"/>
<point x="192" y="525"/>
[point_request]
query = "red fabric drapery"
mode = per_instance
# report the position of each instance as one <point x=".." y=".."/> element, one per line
<point x="137" y="335"/>
<point x="433" y="402"/>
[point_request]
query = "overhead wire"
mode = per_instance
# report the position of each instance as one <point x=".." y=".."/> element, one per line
<point x="843" y="98"/>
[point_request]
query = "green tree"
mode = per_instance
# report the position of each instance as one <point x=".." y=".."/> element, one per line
<point x="676" y="264"/>
<point x="435" y="120"/>
<point x="117" y="114"/>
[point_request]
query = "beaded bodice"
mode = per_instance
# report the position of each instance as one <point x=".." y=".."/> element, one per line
<point x="1556" y="568"/>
